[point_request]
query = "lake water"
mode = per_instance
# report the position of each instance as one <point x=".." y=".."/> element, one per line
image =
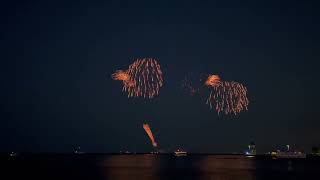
<point x="156" y="167"/>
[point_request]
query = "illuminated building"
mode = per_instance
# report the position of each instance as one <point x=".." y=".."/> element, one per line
<point x="251" y="149"/>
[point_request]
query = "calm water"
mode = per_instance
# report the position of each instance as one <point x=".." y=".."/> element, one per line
<point x="156" y="167"/>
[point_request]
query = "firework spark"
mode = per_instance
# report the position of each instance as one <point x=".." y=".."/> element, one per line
<point x="192" y="83"/>
<point x="147" y="128"/>
<point x="226" y="97"/>
<point x="142" y="79"/>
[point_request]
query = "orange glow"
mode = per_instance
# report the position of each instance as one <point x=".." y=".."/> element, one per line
<point x="146" y="127"/>
<point x="213" y="80"/>
<point x="142" y="79"/>
<point x="121" y="75"/>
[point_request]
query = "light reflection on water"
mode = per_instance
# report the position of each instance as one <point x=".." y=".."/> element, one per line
<point x="156" y="167"/>
<point x="227" y="167"/>
<point x="125" y="167"/>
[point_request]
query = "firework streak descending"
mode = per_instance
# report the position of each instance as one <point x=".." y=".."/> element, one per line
<point x="146" y="127"/>
<point x="227" y="97"/>
<point x="142" y="79"/>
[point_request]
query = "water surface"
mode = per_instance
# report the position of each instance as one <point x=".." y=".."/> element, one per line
<point x="157" y="167"/>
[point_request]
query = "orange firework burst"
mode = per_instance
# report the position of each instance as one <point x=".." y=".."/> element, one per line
<point x="227" y="97"/>
<point x="123" y="76"/>
<point x="142" y="79"/>
<point x="213" y="80"/>
<point x="147" y="128"/>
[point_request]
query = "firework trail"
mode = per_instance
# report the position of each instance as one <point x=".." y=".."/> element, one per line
<point x="146" y="127"/>
<point x="226" y="97"/>
<point x="142" y="79"/>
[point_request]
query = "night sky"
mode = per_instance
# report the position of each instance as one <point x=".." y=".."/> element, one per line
<point x="57" y="59"/>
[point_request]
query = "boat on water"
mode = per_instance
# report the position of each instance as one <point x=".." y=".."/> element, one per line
<point x="179" y="152"/>
<point x="285" y="154"/>
<point x="288" y="154"/>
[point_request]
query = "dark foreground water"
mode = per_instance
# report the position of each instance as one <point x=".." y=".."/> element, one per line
<point x="156" y="167"/>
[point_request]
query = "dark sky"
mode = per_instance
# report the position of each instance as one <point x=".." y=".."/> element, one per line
<point x="57" y="58"/>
